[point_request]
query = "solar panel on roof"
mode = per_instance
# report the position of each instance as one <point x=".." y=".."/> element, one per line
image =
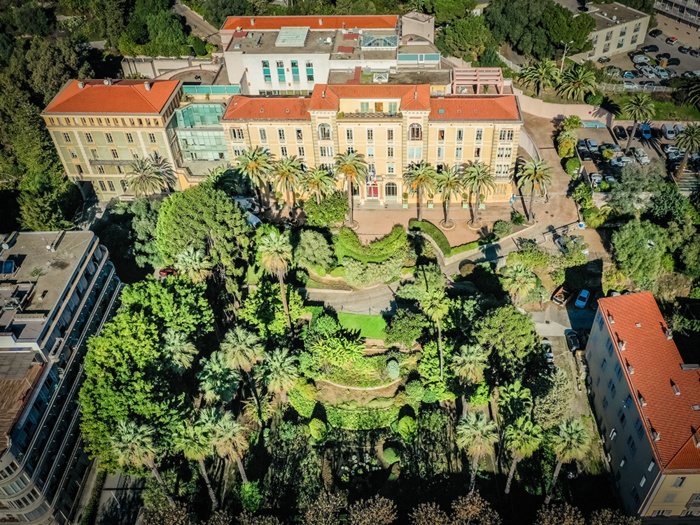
<point x="292" y="37"/>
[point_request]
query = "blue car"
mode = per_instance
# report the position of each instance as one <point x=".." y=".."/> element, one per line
<point x="629" y="74"/>
<point x="646" y="131"/>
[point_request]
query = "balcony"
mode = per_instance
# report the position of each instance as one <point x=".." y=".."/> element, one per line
<point x="689" y="13"/>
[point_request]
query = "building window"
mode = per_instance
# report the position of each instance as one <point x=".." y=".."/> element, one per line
<point x="603" y="364"/>
<point x="477" y="153"/>
<point x="460" y="135"/>
<point x="151" y="138"/>
<point x="391" y="190"/>
<point x="283" y="151"/>
<point x="66" y="137"/>
<point x="634" y="39"/>
<point x="301" y="151"/>
<point x="88" y="137"/>
<point x="635" y="495"/>
<point x="111" y="185"/>
<point x="639" y="427"/>
<point x="390" y="152"/>
<point x="379" y="107"/>
<point x="623" y="461"/>
<point x="324" y="132"/>
<point x="79" y="168"/>
<point x="299" y="134"/>
<point x="606" y="48"/>
<point x="441" y="135"/>
<point x="608" y="36"/>
<point x="637" y="27"/>
<point x="479" y="135"/>
<point x="115" y="154"/>
<point x="237" y="151"/>
<point x="370" y="151"/>
<point x="129" y="138"/>
<point x="621" y="416"/>
<point x="441" y="152"/>
<point x="364" y="107"/>
<point x="390" y="134"/>
<point x="370" y="135"/>
<point x="506" y="135"/>
<point x="351" y="149"/>
<point x="393" y="108"/>
<point x="102" y="185"/>
<point x="623" y="31"/>
<point x="390" y="169"/>
<point x="458" y="153"/>
<point x="651" y="466"/>
<point x="605" y="402"/>
<point x="632" y="445"/>
<point x="100" y="170"/>
<point x="263" y="135"/>
<point x="620" y="43"/>
<point x="415" y="132"/>
<point x="618" y="371"/>
<point x="326" y="151"/>
<point x="265" y="64"/>
<point x="237" y="134"/>
<point x="121" y="171"/>
<point x="348" y="134"/>
<point x="415" y="153"/>
<point x="134" y="154"/>
<point x="612" y="388"/>
<point x="109" y="138"/>
<point x="678" y="482"/>
<point x="73" y="155"/>
<point x="280" y="134"/>
<point x="610" y="347"/>
<point x="505" y="153"/>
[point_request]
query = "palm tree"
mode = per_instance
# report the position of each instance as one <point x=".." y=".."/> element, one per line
<point x="694" y="92"/>
<point x="230" y="439"/>
<point x="478" y="177"/>
<point x="469" y="365"/>
<point x="420" y="178"/>
<point x="352" y="167"/>
<point x="165" y="171"/>
<point x="242" y="349"/>
<point x="518" y="279"/>
<point x="688" y="139"/>
<point x="144" y="178"/>
<point x="436" y="308"/>
<point x="318" y="181"/>
<point x="538" y="174"/>
<point x="287" y="173"/>
<point x="133" y="446"/>
<point x="449" y="182"/>
<point x="255" y="164"/>
<point x="514" y="399"/>
<point x="522" y="438"/>
<point x="281" y="372"/>
<point x="542" y="74"/>
<point x="570" y="442"/>
<point x="477" y="435"/>
<point x="577" y="82"/>
<point x="179" y="350"/>
<point x="639" y="108"/>
<point x="195" y="264"/>
<point x="275" y="255"/>
<point x="218" y="381"/>
<point x="195" y="444"/>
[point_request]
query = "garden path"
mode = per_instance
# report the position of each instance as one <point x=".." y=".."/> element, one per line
<point x="380" y="387"/>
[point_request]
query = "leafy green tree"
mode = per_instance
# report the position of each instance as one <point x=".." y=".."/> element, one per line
<point x="313" y="251"/>
<point x="519" y="280"/>
<point x="255" y="164"/>
<point x="281" y="372"/>
<point x="515" y="400"/>
<point x="218" y="380"/>
<point x="242" y="350"/>
<point x="638" y="249"/>
<point x="178" y="515"/>
<point x="263" y="309"/>
<point x="408" y="428"/>
<point x="275" y="252"/>
<point x="577" y="82"/>
<point x="143" y="224"/>
<point x="192" y="440"/>
<point x="449" y="182"/>
<point x="631" y="193"/>
<point x="216" y="11"/>
<point x="179" y="350"/>
<point x="195" y="264"/>
<point x="669" y="205"/>
<point x="570" y="441"/>
<point x="477" y="435"/>
<point x="446" y="11"/>
<point x="286" y="174"/>
<point x="542" y="74"/>
<point x="420" y="178"/>
<point x="468" y="37"/>
<point x="538" y="175"/>
<point x="552" y="398"/>
<point x="353" y="168"/>
<point x="478" y="178"/>
<point x="405" y="328"/>
<point x="319" y="182"/>
<point x="332" y="210"/>
<point x="522" y="438"/>
<point x="230" y="440"/>
<point x="639" y="108"/>
<point x="133" y="446"/>
<point x="689" y="140"/>
<point x="318" y="429"/>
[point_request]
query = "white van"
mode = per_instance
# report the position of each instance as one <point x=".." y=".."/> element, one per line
<point x="641" y="59"/>
<point x="668" y="131"/>
<point x="678" y="129"/>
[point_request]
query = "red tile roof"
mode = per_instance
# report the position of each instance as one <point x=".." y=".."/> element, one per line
<point x="313" y="22"/>
<point x="351" y="36"/>
<point x="123" y="96"/>
<point x="475" y="107"/>
<point x="267" y="108"/>
<point x="345" y="49"/>
<point x="413" y="97"/>
<point x="657" y="368"/>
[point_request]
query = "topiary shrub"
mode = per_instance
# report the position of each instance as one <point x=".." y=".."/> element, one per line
<point x="502" y="228"/>
<point x="608" y="154"/>
<point x="390" y="456"/>
<point x="517" y="218"/>
<point x="434" y="233"/>
<point x="415" y="390"/>
<point x="594" y="99"/>
<point x="408" y="428"/>
<point x="572" y="166"/>
<point x="330" y="211"/>
<point x="251" y="497"/>
<point x="318" y="429"/>
<point x="393" y="369"/>
<point x="429" y="397"/>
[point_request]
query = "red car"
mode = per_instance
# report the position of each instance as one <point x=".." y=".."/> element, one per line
<point x="671" y="40"/>
<point x="167" y="271"/>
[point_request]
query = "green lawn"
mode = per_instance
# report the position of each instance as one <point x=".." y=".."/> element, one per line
<point x="370" y="326"/>
<point x="663" y="110"/>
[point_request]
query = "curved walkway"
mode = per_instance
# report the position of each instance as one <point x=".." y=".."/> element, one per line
<point x="358" y="387"/>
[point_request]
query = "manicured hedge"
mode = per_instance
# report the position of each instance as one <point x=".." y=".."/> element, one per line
<point x="434" y="233"/>
<point x="348" y="244"/>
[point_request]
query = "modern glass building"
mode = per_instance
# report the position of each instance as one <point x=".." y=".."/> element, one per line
<point x="200" y="136"/>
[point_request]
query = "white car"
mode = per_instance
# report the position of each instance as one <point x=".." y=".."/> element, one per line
<point x="630" y="85"/>
<point x="641" y="59"/>
<point x="621" y="161"/>
<point x="661" y="72"/>
<point x="641" y="156"/>
<point x="610" y="179"/>
<point x="582" y="299"/>
<point x="647" y="71"/>
<point x="596" y="179"/>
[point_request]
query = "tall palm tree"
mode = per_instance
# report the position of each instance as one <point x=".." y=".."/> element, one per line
<point x="179" y="350"/>
<point x="694" y="92"/>
<point x="538" y="174"/>
<point x="318" y="181"/>
<point x="133" y="446"/>
<point x="449" y="182"/>
<point x="230" y="439"/>
<point x="518" y="279"/>
<point x="143" y="178"/>
<point x="436" y="308"/>
<point x="192" y="440"/>
<point x="522" y="438"/>
<point x="478" y="177"/>
<point x="287" y="174"/>
<point x="688" y="139"/>
<point x="352" y="167"/>
<point x="469" y="365"/>
<point x="218" y="380"/>
<point x="515" y="400"/>
<point x="243" y="349"/>
<point x="164" y="170"/>
<point x="420" y="178"/>
<point x="477" y="435"/>
<point x="255" y="163"/>
<point x="570" y="442"/>
<point x="639" y="108"/>
<point x="275" y="253"/>
<point x="195" y="264"/>
<point x="542" y="74"/>
<point x="281" y="372"/>
<point x="577" y="82"/>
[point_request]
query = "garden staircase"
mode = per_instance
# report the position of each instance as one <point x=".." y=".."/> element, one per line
<point x="688" y="182"/>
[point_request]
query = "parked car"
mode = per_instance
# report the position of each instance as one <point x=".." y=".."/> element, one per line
<point x="678" y="128"/>
<point x="650" y="84"/>
<point x="603" y="60"/>
<point x="630" y="73"/>
<point x="663" y="56"/>
<point x="641" y="59"/>
<point x="548" y="355"/>
<point x="621" y="161"/>
<point x="560" y="296"/>
<point x="572" y="341"/>
<point x="610" y="179"/>
<point x="668" y="131"/>
<point x="661" y="73"/>
<point x="641" y="156"/>
<point x="650" y="49"/>
<point x="673" y="62"/>
<point x="684" y="49"/>
<point x="164" y="272"/>
<point x="689" y="74"/>
<point x="668" y="148"/>
<point x="620" y="133"/>
<point x="596" y="179"/>
<point x="581" y="144"/>
<point x="630" y="86"/>
<point x="592" y="145"/>
<point x="648" y="72"/>
<point x="646" y="131"/>
<point x="675" y="156"/>
<point x="672" y="41"/>
<point x="655" y="33"/>
<point x="593" y="303"/>
<point x="694" y="53"/>
<point x="582" y="299"/>
<point x="613" y="71"/>
<point x="614" y="147"/>
<point x="585" y="154"/>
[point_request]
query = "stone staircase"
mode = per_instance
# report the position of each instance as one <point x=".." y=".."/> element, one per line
<point x="688" y="182"/>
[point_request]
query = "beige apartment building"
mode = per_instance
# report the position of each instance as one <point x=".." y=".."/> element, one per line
<point x="647" y="406"/>
<point x="392" y="126"/>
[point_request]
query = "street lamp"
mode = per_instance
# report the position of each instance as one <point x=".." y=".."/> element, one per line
<point x="563" y="58"/>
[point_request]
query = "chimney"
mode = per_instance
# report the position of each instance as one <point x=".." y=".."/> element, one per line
<point x="320" y="21"/>
<point x="147" y="85"/>
<point x="630" y="369"/>
<point x="621" y="344"/>
<point x="81" y="84"/>
<point x="252" y="21"/>
<point x="610" y="319"/>
<point x="642" y="401"/>
<point x="107" y="81"/>
<point x="676" y="389"/>
<point x="655" y="436"/>
<point x="669" y="334"/>
<point x="415" y="95"/>
<point x="323" y="94"/>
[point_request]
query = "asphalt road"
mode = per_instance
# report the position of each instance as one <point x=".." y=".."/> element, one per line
<point x="200" y="28"/>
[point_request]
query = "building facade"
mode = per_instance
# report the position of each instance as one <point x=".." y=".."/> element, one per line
<point x="392" y="126"/>
<point x="56" y="290"/>
<point x="647" y="406"/>
<point x="686" y="11"/>
<point x="100" y="127"/>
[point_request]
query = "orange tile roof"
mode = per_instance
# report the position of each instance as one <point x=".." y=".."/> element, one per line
<point x="267" y="108"/>
<point x="261" y="23"/>
<point x="413" y="97"/>
<point x="123" y="96"/>
<point x="475" y="107"/>
<point x="657" y="368"/>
